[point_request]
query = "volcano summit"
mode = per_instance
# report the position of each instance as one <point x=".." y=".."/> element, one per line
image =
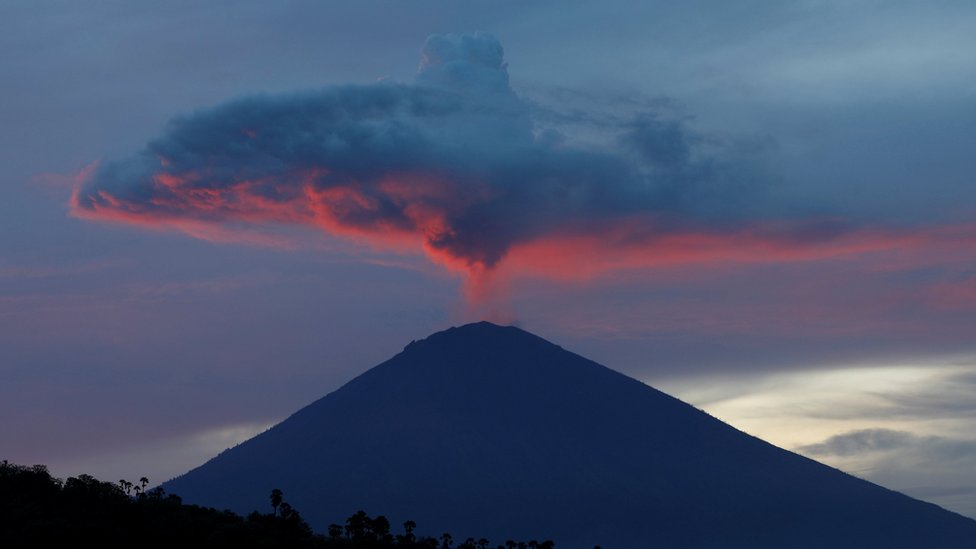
<point x="485" y="430"/>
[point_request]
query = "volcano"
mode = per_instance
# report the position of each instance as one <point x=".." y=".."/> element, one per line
<point x="484" y="430"/>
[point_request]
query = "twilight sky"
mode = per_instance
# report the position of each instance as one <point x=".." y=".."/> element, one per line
<point x="217" y="213"/>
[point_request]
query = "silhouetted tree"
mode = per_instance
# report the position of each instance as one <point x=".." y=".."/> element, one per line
<point x="276" y="496"/>
<point x="381" y="529"/>
<point x="408" y="538"/>
<point x="356" y="525"/>
<point x="38" y="510"/>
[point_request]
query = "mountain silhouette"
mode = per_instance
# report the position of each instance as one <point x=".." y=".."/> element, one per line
<point x="486" y="430"/>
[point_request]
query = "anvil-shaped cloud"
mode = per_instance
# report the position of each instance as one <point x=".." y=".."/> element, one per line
<point x="457" y="164"/>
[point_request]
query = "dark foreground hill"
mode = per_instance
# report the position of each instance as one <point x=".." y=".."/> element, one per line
<point x="493" y="431"/>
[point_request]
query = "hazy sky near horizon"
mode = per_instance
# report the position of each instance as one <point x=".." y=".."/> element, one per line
<point x="216" y="213"/>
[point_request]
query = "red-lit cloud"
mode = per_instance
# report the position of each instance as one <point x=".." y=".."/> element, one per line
<point x="456" y="166"/>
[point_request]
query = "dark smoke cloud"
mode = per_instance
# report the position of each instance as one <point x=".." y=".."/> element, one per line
<point x="455" y="161"/>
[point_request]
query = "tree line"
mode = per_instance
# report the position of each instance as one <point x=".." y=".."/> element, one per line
<point x="37" y="509"/>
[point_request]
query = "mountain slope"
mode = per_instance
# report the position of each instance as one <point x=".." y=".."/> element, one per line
<point x="489" y="430"/>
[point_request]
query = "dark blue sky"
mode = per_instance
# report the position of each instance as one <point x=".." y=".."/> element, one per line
<point x="750" y="204"/>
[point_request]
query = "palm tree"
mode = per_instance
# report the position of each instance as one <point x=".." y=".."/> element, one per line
<point x="407" y="538"/>
<point x="276" y="495"/>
